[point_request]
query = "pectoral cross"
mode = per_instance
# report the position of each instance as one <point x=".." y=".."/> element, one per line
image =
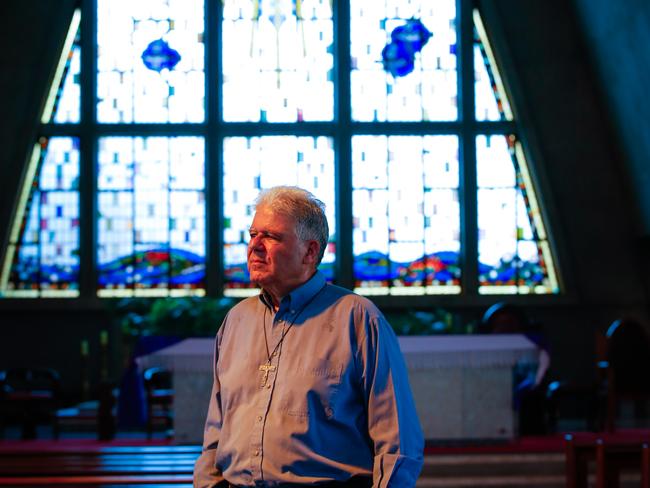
<point x="265" y="368"/>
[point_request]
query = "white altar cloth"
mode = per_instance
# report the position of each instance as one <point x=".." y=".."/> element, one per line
<point x="462" y="384"/>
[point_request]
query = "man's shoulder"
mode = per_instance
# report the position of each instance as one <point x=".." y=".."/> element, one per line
<point x="345" y="297"/>
<point x="245" y="306"/>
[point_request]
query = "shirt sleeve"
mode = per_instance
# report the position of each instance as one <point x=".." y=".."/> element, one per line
<point x="393" y="423"/>
<point x="206" y="473"/>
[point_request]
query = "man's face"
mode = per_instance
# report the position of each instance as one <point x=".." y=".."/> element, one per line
<point x="278" y="260"/>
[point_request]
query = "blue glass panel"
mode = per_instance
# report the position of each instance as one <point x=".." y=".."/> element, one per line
<point x="256" y="163"/>
<point x="159" y="56"/>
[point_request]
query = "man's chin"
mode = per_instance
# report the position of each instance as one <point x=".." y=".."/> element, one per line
<point x="257" y="278"/>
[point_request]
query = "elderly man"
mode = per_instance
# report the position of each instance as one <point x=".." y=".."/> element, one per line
<point x="310" y="388"/>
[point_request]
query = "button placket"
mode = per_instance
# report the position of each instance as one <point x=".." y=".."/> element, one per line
<point x="264" y="402"/>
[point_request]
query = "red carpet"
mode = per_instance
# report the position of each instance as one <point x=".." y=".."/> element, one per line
<point x="550" y="443"/>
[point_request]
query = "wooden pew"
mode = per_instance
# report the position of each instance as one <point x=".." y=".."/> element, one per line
<point x="99" y="467"/>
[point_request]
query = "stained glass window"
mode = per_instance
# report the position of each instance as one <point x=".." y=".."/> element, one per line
<point x="406" y="214"/>
<point x="277" y="61"/>
<point x="514" y="253"/>
<point x="151" y="227"/>
<point x="491" y="101"/>
<point x="429" y="91"/>
<point x="63" y="102"/>
<point x="150" y="61"/>
<point x="43" y="254"/>
<point x="258" y="163"/>
<point x="415" y="189"/>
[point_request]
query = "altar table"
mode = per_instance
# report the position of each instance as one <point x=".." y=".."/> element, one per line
<point x="462" y="384"/>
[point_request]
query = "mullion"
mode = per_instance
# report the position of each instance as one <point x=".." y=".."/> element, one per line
<point x="467" y="151"/>
<point x="343" y="146"/>
<point x="213" y="166"/>
<point x="88" y="271"/>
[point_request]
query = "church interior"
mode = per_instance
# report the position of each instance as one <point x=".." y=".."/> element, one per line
<point x="576" y="129"/>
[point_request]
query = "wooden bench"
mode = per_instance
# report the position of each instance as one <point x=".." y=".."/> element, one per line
<point x="105" y="466"/>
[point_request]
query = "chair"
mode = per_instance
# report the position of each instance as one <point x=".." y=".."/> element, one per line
<point x="624" y="374"/>
<point x="613" y="454"/>
<point x="529" y="395"/>
<point x="99" y="415"/>
<point x="29" y="395"/>
<point x="160" y="398"/>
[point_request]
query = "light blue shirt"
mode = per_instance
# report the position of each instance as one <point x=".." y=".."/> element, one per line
<point x="333" y="400"/>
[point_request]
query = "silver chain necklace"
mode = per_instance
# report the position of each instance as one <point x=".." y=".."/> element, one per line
<point x="267" y="367"/>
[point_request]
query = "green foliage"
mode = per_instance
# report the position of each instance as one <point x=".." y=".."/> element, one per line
<point x="418" y="322"/>
<point x="181" y="317"/>
<point x="200" y="316"/>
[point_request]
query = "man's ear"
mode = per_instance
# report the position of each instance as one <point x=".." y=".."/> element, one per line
<point x="311" y="256"/>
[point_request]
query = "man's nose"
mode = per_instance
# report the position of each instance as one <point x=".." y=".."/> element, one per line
<point x="254" y="242"/>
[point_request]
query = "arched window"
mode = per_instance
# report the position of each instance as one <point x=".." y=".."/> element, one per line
<point x="167" y="117"/>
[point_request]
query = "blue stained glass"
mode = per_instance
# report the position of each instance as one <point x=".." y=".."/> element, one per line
<point x="159" y="56"/>
<point x="397" y="59"/>
<point x="406" y="40"/>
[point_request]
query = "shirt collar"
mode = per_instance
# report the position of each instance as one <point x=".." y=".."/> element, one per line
<point x="298" y="297"/>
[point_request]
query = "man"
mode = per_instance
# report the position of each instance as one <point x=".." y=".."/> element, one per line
<point x="310" y="388"/>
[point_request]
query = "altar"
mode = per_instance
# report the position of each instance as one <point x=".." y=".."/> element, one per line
<point x="462" y="384"/>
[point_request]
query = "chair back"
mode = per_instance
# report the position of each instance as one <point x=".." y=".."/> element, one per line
<point x="628" y="354"/>
<point x="42" y="382"/>
<point x="157" y="379"/>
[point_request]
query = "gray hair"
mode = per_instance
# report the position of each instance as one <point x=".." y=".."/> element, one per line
<point x="306" y="210"/>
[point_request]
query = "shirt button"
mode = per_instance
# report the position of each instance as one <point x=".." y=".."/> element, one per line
<point x="259" y="418"/>
<point x="268" y="385"/>
<point x="257" y="453"/>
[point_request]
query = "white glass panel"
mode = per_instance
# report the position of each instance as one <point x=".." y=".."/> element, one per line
<point x="257" y="163"/>
<point x="406" y="216"/>
<point x="277" y="61"/>
<point x="429" y="91"/>
<point x="150" y="61"/>
<point x="151" y="229"/>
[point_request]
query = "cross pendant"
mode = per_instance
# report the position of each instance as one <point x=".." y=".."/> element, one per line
<point x="265" y="368"/>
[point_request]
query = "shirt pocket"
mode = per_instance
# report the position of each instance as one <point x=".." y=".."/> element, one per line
<point x="313" y="391"/>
